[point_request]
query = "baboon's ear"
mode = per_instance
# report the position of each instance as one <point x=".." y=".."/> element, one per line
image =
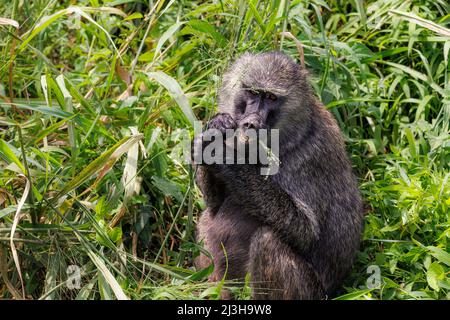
<point x="301" y="55"/>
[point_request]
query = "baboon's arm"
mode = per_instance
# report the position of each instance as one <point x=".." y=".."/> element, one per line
<point x="290" y="217"/>
<point x="211" y="186"/>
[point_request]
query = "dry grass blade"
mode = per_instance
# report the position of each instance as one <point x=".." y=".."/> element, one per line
<point x="130" y="170"/>
<point x="129" y="181"/>
<point x="9" y="22"/>
<point x="299" y="46"/>
<point x="13" y="230"/>
<point x="112" y="282"/>
<point x="101" y="165"/>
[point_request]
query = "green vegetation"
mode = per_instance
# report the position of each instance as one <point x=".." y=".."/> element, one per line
<point x="93" y="95"/>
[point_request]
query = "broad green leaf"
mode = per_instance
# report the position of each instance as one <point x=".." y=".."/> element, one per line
<point x="208" y="29"/>
<point x="422" y="22"/>
<point x="435" y="273"/>
<point x="135" y="15"/>
<point x="202" y="274"/>
<point x="165" y="36"/>
<point x="353" y="295"/>
<point x="50" y="129"/>
<point x="440" y="254"/>
<point x="12" y="208"/>
<point x="8" y="155"/>
<point x="412" y="142"/>
<point x="175" y="92"/>
<point x="55" y="112"/>
<point x="168" y="187"/>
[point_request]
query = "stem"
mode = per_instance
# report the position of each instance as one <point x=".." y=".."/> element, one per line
<point x="30" y="198"/>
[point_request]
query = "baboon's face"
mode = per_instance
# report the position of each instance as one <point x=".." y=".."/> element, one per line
<point x="260" y="89"/>
<point x="256" y="108"/>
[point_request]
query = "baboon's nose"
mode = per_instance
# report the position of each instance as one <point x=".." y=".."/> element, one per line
<point x="249" y="125"/>
<point x="251" y="121"/>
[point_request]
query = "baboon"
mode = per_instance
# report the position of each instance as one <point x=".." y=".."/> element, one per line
<point x="296" y="232"/>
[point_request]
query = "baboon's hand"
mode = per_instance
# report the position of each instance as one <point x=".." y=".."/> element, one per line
<point x="222" y="122"/>
<point x="197" y="146"/>
<point x="216" y="126"/>
<point x="200" y="142"/>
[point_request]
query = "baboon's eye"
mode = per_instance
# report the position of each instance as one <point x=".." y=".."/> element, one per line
<point x="241" y="107"/>
<point x="271" y="96"/>
<point x="253" y="92"/>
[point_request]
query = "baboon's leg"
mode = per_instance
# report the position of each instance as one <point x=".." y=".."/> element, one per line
<point x="202" y="230"/>
<point x="277" y="272"/>
<point x="205" y="231"/>
<point x="227" y="231"/>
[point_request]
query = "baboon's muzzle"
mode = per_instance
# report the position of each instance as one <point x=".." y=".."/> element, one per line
<point x="252" y="121"/>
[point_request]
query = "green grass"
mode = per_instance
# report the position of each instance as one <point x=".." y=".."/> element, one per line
<point x="87" y="90"/>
